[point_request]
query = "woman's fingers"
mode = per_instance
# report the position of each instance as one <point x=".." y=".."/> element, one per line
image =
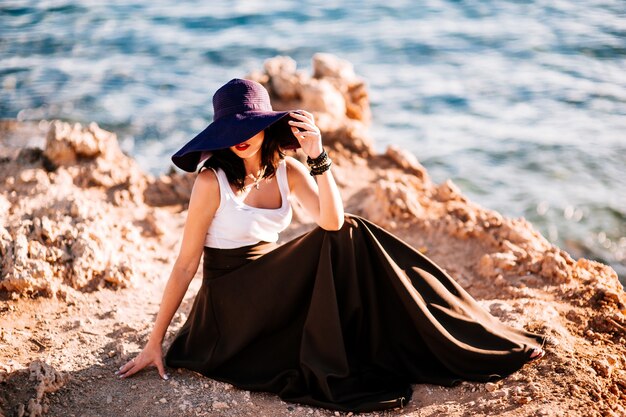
<point x="161" y="369"/>
<point x="129" y="369"/>
<point x="303" y="125"/>
<point x="126" y="367"/>
<point x="312" y="135"/>
<point x="301" y="134"/>
<point x="303" y="113"/>
<point x="303" y="117"/>
<point x="150" y="355"/>
<point x="132" y="367"/>
<point x="135" y="365"/>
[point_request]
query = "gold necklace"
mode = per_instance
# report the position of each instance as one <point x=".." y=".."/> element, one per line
<point x="256" y="180"/>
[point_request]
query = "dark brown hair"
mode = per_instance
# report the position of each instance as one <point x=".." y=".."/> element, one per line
<point x="233" y="167"/>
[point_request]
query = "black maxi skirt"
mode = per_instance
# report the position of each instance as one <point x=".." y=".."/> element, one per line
<point x="345" y="320"/>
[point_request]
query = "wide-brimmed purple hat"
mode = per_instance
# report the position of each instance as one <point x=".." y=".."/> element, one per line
<point x="241" y="109"/>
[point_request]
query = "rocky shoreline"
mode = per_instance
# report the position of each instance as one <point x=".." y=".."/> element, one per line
<point x="87" y="238"/>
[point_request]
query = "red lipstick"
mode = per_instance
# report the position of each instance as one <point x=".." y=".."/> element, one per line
<point x="242" y="146"/>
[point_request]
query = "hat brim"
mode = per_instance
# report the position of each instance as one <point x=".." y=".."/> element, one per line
<point x="230" y="130"/>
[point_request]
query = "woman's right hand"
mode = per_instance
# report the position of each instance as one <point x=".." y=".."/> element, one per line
<point x="151" y="355"/>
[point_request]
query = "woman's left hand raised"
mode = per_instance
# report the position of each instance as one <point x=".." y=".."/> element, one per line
<point x="307" y="133"/>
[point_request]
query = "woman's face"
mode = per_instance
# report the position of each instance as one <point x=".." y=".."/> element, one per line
<point x="250" y="147"/>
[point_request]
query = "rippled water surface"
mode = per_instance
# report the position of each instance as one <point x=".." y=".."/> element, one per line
<point x="521" y="103"/>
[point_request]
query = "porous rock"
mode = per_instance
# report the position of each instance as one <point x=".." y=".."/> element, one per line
<point x="31" y="399"/>
<point x="334" y="94"/>
<point x="61" y="224"/>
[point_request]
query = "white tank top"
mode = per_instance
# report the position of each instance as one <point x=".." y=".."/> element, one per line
<point x="237" y="224"/>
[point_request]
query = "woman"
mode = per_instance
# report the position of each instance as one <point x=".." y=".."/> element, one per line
<point x="346" y="316"/>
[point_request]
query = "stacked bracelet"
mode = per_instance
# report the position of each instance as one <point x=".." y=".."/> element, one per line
<point x="321" y="159"/>
<point x="320" y="164"/>
<point x="320" y="170"/>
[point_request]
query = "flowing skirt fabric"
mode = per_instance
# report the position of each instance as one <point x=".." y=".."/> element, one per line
<point x="343" y="319"/>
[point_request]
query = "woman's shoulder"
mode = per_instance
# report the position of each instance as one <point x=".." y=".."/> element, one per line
<point x="296" y="171"/>
<point x="207" y="174"/>
<point x="207" y="182"/>
<point x="293" y="164"/>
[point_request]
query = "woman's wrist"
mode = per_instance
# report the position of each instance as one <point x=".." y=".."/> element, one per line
<point x="320" y="164"/>
<point x="315" y="154"/>
<point x="320" y="159"/>
<point x="155" y="340"/>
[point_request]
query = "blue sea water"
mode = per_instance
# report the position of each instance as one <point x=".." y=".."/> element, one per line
<point x="521" y="103"/>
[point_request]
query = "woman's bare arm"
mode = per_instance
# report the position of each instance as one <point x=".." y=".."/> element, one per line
<point x="319" y="196"/>
<point x="321" y="199"/>
<point x="203" y="203"/>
